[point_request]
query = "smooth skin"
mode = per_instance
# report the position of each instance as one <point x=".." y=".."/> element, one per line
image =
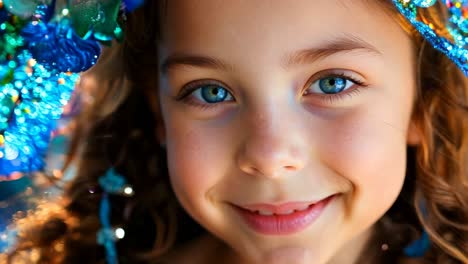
<point x="273" y="135"/>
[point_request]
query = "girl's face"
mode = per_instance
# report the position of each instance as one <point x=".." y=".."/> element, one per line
<point x="295" y="103"/>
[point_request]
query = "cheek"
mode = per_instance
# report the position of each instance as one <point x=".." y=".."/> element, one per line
<point x="370" y="152"/>
<point x="196" y="163"/>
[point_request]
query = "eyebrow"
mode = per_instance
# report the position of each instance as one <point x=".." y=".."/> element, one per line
<point x="341" y="44"/>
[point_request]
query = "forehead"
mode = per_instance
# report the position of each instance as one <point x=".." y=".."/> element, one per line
<point x="264" y="29"/>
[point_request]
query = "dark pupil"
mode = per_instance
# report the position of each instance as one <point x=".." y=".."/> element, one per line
<point x="332" y="85"/>
<point x="213" y="93"/>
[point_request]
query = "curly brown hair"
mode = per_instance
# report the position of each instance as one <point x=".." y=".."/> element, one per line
<point x="119" y="130"/>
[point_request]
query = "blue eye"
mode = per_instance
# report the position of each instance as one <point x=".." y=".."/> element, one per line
<point x="332" y="85"/>
<point x="212" y="93"/>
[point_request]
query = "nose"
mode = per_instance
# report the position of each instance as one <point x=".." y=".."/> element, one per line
<point x="272" y="146"/>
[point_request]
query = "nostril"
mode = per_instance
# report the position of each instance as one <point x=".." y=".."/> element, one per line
<point x="290" y="167"/>
<point x="256" y="170"/>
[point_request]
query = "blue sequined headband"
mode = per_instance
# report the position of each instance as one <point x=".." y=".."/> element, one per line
<point x="44" y="45"/>
<point x="456" y="50"/>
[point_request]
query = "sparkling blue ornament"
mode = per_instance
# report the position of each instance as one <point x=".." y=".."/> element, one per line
<point x="57" y="47"/>
<point x="30" y="106"/>
<point x="464" y="26"/>
<point x="424" y="3"/>
<point x="106" y="234"/>
<point x="112" y="182"/>
<point x="45" y="12"/>
<point x="456" y="50"/>
<point x="40" y="56"/>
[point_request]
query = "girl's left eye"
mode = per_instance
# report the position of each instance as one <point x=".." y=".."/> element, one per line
<point x="331" y="85"/>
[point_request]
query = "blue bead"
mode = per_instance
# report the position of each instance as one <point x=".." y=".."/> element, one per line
<point x="112" y="182"/>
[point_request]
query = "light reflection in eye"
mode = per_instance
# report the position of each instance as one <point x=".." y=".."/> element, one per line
<point x="211" y="94"/>
<point x="332" y="84"/>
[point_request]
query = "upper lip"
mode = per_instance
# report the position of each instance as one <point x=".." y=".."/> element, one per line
<point x="279" y="208"/>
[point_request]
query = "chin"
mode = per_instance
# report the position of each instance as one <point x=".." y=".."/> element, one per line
<point x="283" y="255"/>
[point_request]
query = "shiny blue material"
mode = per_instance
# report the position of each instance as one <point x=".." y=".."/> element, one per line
<point x="57" y="47"/>
<point x="424" y="3"/>
<point x="457" y="51"/>
<point x="105" y="235"/>
<point x="111" y="183"/>
<point x="32" y="96"/>
<point x="30" y="105"/>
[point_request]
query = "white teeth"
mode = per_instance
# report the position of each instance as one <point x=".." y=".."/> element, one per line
<point x="302" y="208"/>
<point x="264" y="212"/>
<point x="268" y="213"/>
<point x="287" y="212"/>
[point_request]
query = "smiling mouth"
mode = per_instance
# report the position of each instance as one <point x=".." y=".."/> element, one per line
<point x="283" y="220"/>
<point x="288" y="212"/>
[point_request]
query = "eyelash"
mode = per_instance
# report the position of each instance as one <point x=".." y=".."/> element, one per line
<point x="350" y="92"/>
<point x="188" y="89"/>
<point x="355" y="89"/>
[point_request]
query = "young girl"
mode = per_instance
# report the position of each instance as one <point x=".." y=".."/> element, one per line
<point x="303" y="131"/>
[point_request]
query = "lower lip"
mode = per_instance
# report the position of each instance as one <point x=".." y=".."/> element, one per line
<point x="284" y="224"/>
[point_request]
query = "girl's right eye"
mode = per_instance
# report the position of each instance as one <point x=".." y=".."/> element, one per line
<point x="205" y="95"/>
<point x="212" y="94"/>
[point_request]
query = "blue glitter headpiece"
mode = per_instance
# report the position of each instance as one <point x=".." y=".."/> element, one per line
<point x="456" y="49"/>
<point x="44" y="45"/>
